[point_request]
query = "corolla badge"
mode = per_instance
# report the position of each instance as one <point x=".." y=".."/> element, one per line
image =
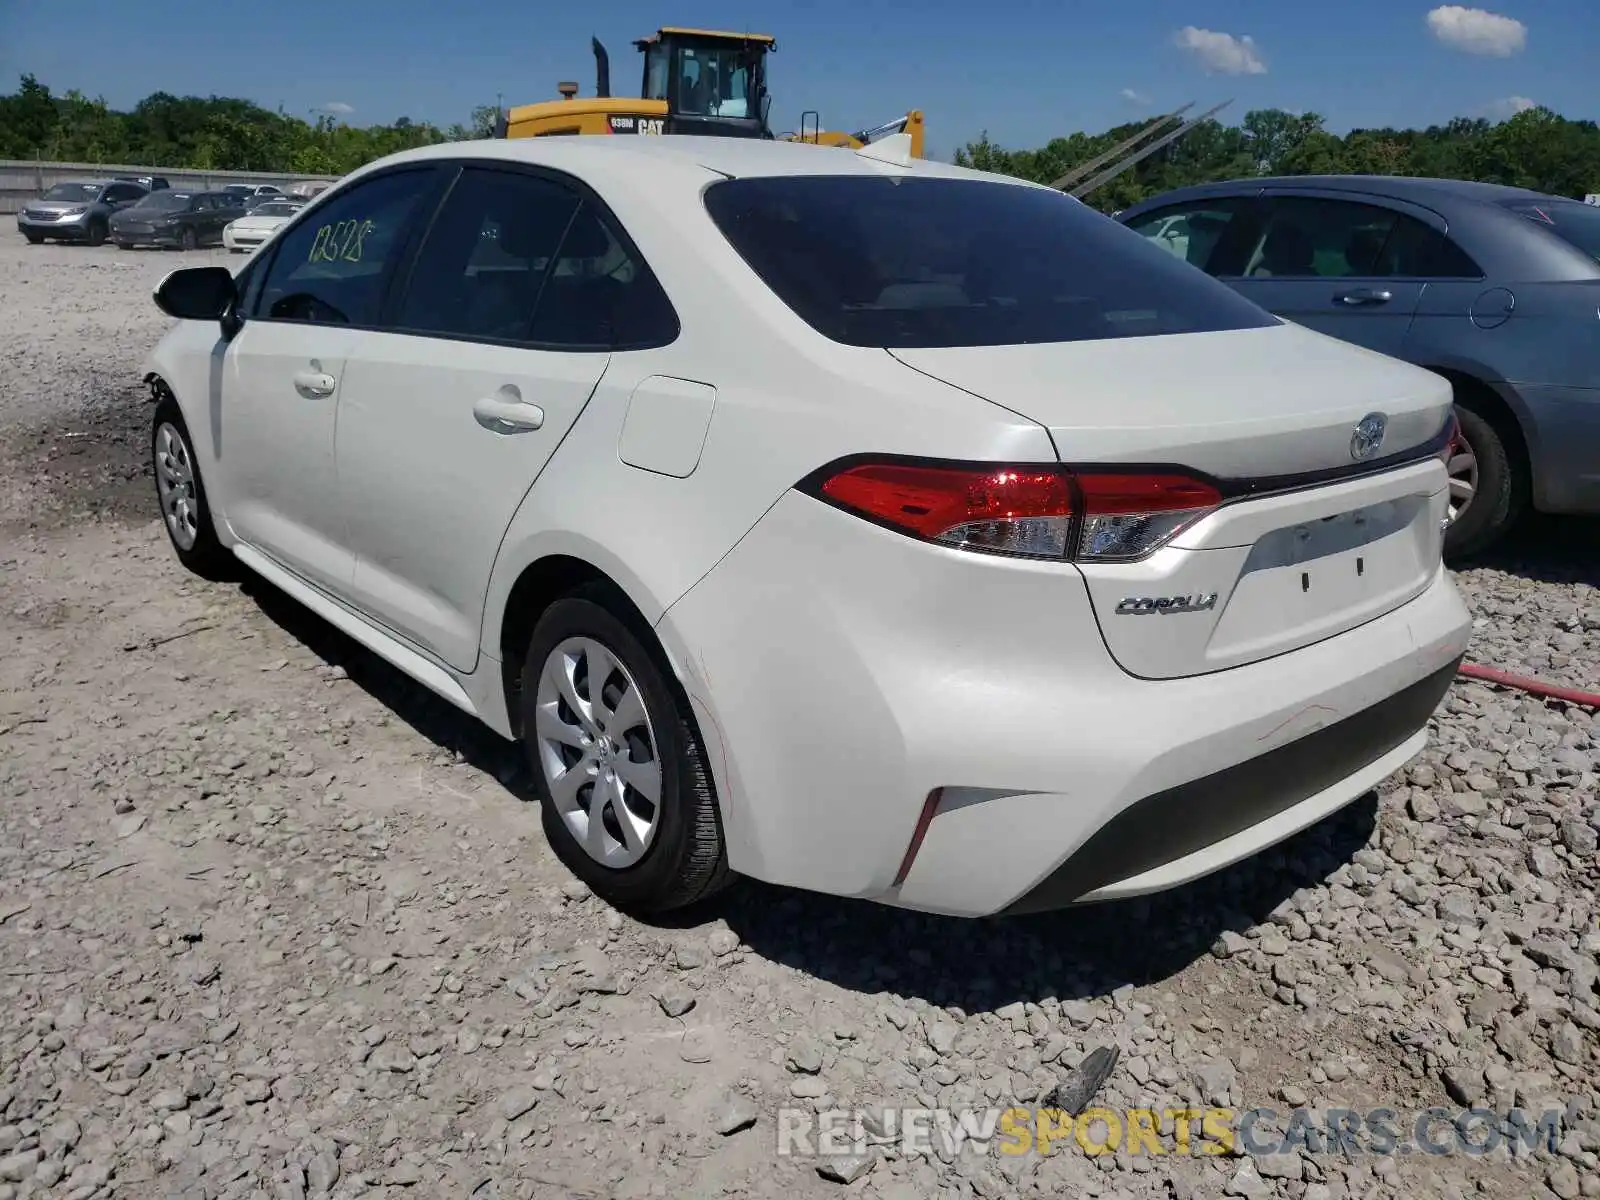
<point x="1368" y="436"/>
<point x="1141" y="606"/>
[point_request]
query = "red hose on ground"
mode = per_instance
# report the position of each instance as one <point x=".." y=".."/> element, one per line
<point x="1533" y="686"/>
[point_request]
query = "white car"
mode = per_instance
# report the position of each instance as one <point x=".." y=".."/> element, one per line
<point x="881" y="528"/>
<point x="246" y="233"/>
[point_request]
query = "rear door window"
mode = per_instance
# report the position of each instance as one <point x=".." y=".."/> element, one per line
<point x="924" y="262"/>
<point x="1310" y="238"/>
<point x="479" y="272"/>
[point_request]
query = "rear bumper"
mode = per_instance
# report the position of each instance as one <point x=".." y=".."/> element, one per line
<point x="1565" y="441"/>
<point x="841" y="673"/>
<point x="1192" y="829"/>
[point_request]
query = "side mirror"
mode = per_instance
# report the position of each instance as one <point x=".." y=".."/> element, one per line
<point x="197" y="294"/>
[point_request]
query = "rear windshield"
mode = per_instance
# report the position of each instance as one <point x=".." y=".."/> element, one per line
<point x="1574" y="223"/>
<point x="914" y="262"/>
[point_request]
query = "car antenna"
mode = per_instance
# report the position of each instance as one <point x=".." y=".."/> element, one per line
<point x="895" y="150"/>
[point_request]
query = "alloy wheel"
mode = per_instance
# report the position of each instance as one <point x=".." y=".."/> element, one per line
<point x="174" y="467"/>
<point x="597" y="748"/>
<point x="1463" y="471"/>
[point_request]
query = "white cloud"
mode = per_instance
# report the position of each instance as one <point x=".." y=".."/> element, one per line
<point x="1477" y="31"/>
<point x="1502" y="110"/>
<point x="1221" y="51"/>
<point x="338" y="108"/>
<point x="1133" y="97"/>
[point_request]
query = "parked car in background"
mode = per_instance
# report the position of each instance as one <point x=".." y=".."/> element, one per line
<point x="174" y="218"/>
<point x="245" y="233"/>
<point x="153" y="182"/>
<point x="249" y="191"/>
<point x="1495" y="288"/>
<point x="77" y="212"/>
<point x="309" y="188"/>
<point x="800" y="521"/>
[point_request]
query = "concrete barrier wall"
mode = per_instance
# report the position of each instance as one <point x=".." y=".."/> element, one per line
<point x="22" y="181"/>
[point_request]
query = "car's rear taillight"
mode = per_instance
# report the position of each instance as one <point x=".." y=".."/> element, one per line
<point x="1454" y="440"/>
<point x="1031" y="511"/>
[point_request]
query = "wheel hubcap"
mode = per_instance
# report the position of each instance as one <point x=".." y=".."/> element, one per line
<point x="597" y="749"/>
<point x="175" y="483"/>
<point x="1463" y="471"/>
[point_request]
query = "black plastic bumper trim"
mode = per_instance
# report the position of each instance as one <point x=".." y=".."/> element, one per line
<point x="1180" y="820"/>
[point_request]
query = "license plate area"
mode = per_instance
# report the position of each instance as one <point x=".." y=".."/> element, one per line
<point x="1312" y="579"/>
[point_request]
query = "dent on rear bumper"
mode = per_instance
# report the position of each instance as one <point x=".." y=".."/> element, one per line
<point x="848" y="671"/>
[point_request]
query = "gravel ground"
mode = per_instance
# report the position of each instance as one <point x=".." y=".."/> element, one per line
<point x="275" y="922"/>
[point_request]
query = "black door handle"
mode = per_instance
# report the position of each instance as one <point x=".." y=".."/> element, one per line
<point x="1356" y="297"/>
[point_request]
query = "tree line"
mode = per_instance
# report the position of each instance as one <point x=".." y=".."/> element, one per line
<point x="212" y="133"/>
<point x="1537" y="149"/>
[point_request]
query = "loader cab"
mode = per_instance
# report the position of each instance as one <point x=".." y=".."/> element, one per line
<point x="712" y="83"/>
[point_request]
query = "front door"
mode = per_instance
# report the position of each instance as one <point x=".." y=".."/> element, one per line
<point x="447" y="418"/>
<point x="283" y="374"/>
<point x="1331" y="263"/>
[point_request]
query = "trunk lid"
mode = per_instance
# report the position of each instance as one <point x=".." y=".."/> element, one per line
<point x="1302" y="550"/>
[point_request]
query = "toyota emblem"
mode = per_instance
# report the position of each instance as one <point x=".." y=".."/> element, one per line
<point x="1368" y="436"/>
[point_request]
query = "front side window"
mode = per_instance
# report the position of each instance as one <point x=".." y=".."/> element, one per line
<point x="1190" y="232"/>
<point x="920" y="262"/>
<point x="331" y="269"/>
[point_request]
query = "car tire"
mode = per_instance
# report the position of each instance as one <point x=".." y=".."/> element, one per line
<point x="188" y="240"/>
<point x="97" y="233"/>
<point x="677" y="855"/>
<point x="1497" y="494"/>
<point x="181" y="495"/>
<point x="33" y="238"/>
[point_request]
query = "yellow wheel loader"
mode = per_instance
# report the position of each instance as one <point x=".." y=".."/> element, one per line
<point x="696" y="81"/>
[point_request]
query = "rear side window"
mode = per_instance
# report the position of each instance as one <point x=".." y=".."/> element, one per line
<point x="1419" y="251"/>
<point x="1576" y="224"/>
<point x="522" y="258"/>
<point x="1320" y="239"/>
<point x="914" y="262"/>
<point x="479" y="272"/>
<point x="601" y="295"/>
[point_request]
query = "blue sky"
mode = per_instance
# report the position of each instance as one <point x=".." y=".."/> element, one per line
<point x="1024" y="70"/>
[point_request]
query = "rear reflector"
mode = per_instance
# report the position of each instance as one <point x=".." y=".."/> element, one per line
<point x="1032" y="511"/>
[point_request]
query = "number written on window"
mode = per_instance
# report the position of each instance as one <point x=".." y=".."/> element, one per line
<point x="340" y="242"/>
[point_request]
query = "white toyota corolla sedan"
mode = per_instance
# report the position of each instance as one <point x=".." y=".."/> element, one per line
<point x="875" y="527"/>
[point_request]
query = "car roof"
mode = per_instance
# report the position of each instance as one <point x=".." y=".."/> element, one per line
<point x="730" y="157"/>
<point x="1419" y="189"/>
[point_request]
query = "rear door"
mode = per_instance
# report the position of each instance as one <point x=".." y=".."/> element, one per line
<point x="1332" y="261"/>
<point x="502" y="332"/>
